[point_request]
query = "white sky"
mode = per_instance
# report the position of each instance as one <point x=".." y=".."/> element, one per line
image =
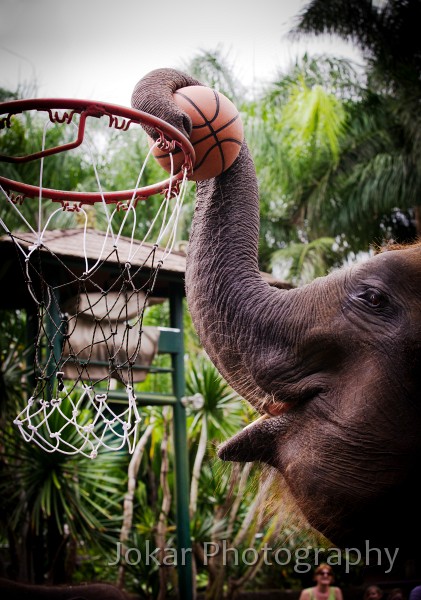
<point x="99" y="49"/>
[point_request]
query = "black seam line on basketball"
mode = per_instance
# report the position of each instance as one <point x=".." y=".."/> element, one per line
<point x="190" y="101"/>
<point x="218" y="143"/>
<point x="222" y="126"/>
<point x="232" y="140"/>
<point x="212" y="133"/>
<point x="209" y="124"/>
<point x="216" y="131"/>
<point x="178" y="150"/>
<point x="204" y="157"/>
<point x="174" y="152"/>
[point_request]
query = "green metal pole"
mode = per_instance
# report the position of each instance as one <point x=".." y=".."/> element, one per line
<point x="54" y="328"/>
<point x="182" y="479"/>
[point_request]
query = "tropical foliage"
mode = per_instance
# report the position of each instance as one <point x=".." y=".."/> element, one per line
<point x="380" y="164"/>
<point x="338" y="153"/>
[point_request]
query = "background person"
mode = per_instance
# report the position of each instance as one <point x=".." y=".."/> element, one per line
<point x="323" y="590"/>
<point x="373" y="592"/>
<point x="396" y="594"/>
<point x="415" y="593"/>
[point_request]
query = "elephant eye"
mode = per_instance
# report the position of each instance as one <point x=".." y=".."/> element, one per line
<point x="373" y="297"/>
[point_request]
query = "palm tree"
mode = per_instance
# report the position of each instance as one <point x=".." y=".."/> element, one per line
<point x="380" y="163"/>
<point x="213" y="68"/>
<point x="301" y="263"/>
<point x="296" y="133"/>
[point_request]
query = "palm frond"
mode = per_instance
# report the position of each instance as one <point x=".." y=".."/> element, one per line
<point x="301" y="263"/>
<point x="214" y="68"/>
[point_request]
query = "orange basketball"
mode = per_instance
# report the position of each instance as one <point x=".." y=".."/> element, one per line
<point x="216" y="136"/>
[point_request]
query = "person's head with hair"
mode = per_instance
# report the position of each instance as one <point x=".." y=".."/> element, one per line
<point x="396" y="594"/>
<point x="373" y="592"/>
<point x="323" y="572"/>
<point x="323" y="588"/>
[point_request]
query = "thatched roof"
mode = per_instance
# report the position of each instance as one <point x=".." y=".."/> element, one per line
<point x="68" y="245"/>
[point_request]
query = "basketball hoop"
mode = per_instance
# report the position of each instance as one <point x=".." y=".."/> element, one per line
<point x="69" y="410"/>
<point x="67" y="111"/>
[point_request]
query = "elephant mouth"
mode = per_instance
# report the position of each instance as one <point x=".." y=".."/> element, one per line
<point x="256" y="441"/>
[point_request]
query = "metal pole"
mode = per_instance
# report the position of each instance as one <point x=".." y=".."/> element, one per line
<point x="182" y="479"/>
<point x="54" y="329"/>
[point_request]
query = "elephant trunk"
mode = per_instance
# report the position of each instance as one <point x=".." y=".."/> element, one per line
<point x="227" y="296"/>
<point x="225" y="292"/>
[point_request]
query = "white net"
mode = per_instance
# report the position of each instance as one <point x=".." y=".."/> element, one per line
<point x="89" y="334"/>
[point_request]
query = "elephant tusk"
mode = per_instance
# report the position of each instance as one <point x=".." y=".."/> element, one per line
<point x="258" y="420"/>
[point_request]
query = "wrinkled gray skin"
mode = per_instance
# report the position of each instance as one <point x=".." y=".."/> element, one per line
<point x="334" y="365"/>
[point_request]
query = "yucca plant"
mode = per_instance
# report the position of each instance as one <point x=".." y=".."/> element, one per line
<point x="51" y="504"/>
<point x="219" y="418"/>
<point x="57" y="502"/>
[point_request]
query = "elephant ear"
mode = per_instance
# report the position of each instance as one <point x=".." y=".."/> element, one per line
<point x="153" y="94"/>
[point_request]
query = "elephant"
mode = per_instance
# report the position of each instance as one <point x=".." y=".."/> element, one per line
<point x="333" y="367"/>
<point x="14" y="590"/>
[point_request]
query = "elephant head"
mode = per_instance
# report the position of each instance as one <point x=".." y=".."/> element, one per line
<point x="333" y="367"/>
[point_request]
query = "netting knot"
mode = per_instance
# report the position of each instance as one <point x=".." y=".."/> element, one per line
<point x="71" y="206"/>
<point x="34" y="247"/>
<point x="60" y="385"/>
<point x="164" y="144"/>
<point x="130" y="395"/>
<point x="173" y="191"/>
<point x="17" y="198"/>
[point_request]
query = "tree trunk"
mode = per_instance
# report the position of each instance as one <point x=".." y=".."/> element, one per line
<point x="417" y="216"/>
<point x="161" y="530"/>
<point x="133" y="471"/>
<point x="197" y="467"/>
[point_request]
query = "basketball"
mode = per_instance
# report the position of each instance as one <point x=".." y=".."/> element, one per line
<point x="216" y="136"/>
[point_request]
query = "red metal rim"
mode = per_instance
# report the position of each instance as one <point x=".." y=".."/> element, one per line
<point x="120" y="117"/>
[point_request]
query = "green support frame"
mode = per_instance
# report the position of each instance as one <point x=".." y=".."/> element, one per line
<point x="184" y="547"/>
<point x="171" y="341"/>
